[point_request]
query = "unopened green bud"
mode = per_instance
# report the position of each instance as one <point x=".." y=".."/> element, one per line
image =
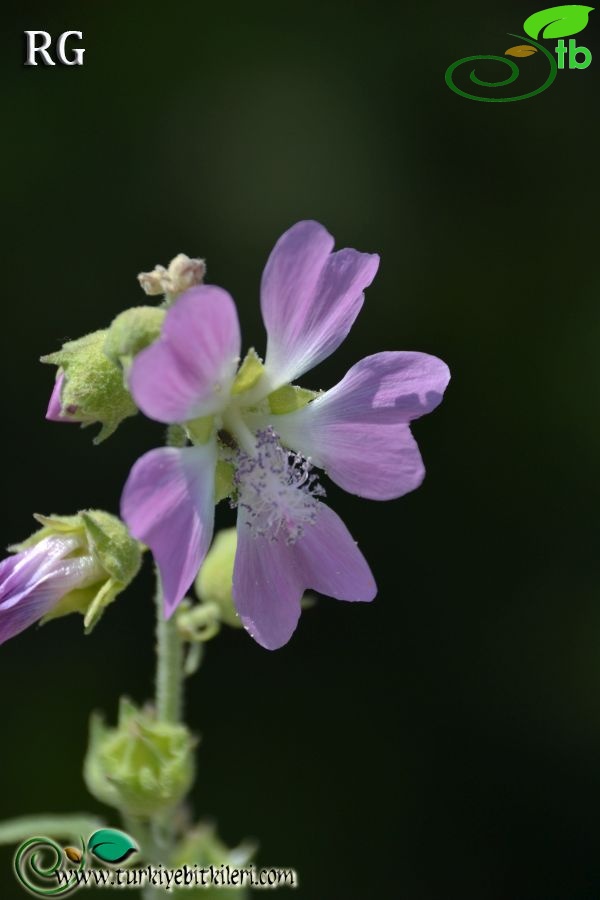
<point x="113" y="556"/>
<point x="141" y="767"/>
<point x="214" y="581"/>
<point x="89" y="386"/>
<point x="203" y="847"/>
<point x="132" y="331"/>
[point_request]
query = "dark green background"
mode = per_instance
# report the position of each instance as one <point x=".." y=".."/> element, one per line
<point x="444" y="741"/>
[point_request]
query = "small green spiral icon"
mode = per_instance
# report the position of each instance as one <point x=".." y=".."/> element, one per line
<point x="31" y="869"/>
<point x="514" y="74"/>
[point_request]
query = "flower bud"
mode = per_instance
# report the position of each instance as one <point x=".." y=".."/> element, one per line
<point x="183" y="273"/>
<point x="132" y="331"/>
<point x="203" y="846"/>
<point x="72" y="564"/>
<point x="141" y="767"/>
<point x="214" y="581"/>
<point x="89" y="386"/>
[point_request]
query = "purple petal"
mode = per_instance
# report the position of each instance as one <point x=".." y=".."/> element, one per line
<point x="270" y="577"/>
<point x="30" y="606"/>
<point x="12" y="567"/>
<point x="30" y="566"/>
<point x="310" y="298"/>
<point x="267" y="587"/>
<point x="27" y="602"/>
<point x="331" y="562"/>
<point x="55" y="412"/>
<point x="188" y="371"/>
<point x="358" y="431"/>
<point x="168" y="503"/>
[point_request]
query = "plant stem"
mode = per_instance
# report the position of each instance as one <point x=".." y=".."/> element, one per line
<point x="169" y="696"/>
<point x="169" y="664"/>
<point x="169" y="646"/>
<point x="169" y="706"/>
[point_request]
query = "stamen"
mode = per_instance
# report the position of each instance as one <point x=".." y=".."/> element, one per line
<point x="277" y="489"/>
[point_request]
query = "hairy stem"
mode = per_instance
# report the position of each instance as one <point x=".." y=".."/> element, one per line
<point x="169" y="664"/>
<point x="159" y="835"/>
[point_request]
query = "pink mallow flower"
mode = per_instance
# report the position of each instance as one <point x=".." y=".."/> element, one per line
<point x="358" y="432"/>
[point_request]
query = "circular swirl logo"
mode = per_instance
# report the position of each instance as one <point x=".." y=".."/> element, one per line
<point x="38" y="860"/>
<point x="514" y="74"/>
<point x="555" y="22"/>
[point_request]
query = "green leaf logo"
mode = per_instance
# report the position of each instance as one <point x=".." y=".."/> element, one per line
<point x="110" y="845"/>
<point x="558" y="21"/>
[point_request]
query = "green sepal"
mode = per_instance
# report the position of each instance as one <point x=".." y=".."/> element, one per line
<point x="105" y="596"/>
<point x="223" y="480"/>
<point x="93" y="384"/>
<point x="90" y="602"/>
<point x="132" y="331"/>
<point x="141" y="767"/>
<point x="77" y="601"/>
<point x="118" y="552"/>
<point x="50" y="525"/>
<point x="249" y="373"/>
<point x="200" y="430"/>
<point x="288" y="398"/>
<point x="203" y="847"/>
